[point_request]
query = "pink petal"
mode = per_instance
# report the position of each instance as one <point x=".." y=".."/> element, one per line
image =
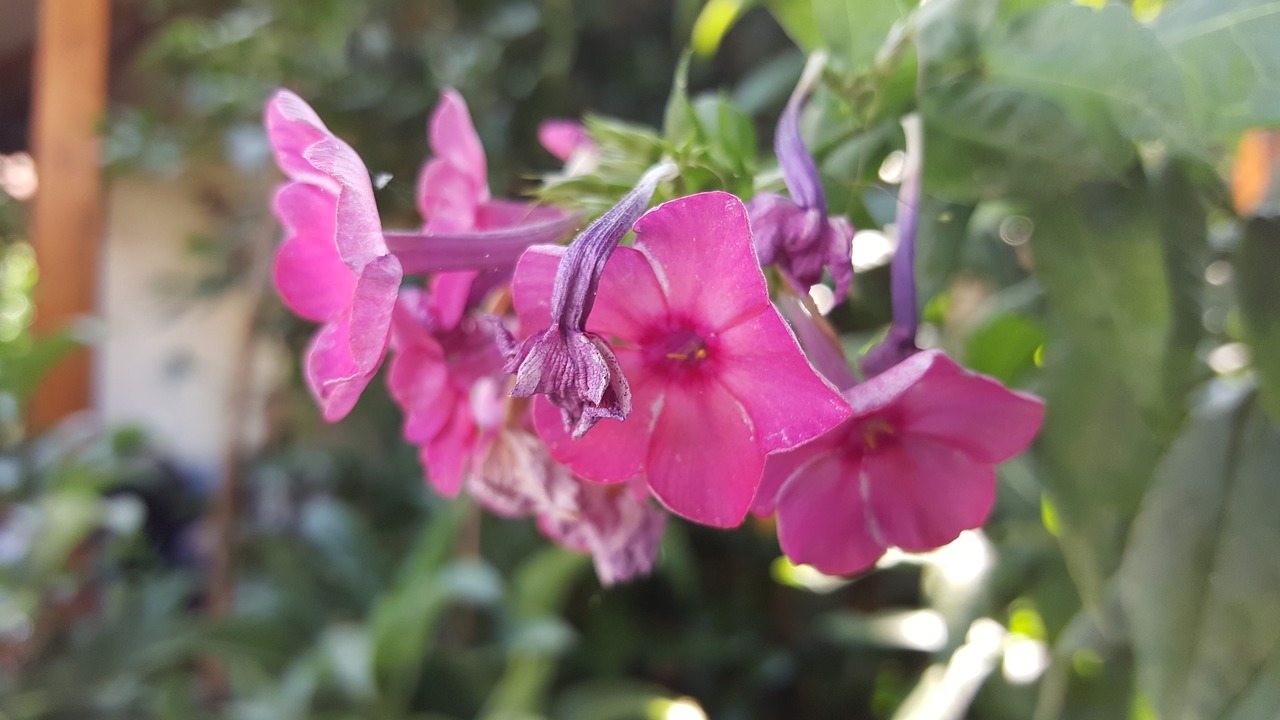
<point x="309" y="274"/>
<point x="704" y="461"/>
<point x="923" y="493"/>
<point x="761" y="364"/>
<point x="449" y="294"/>
<point x="780" y="466"/>
<point x="446" y="198"/>
<point x="630" y="298"/>
<point x="822" y="517"/>
<point x="418" y="380"/>
<point x="498" y="214"/>
<point x="453" y="139"/>
<point x="292" y="127"/>
<point x="448" y="455"/>
<point x="372" y="303"/>
<point x="331" y="374"/>
<point x="969" y="411"/>
<point x="613" y="450"/>
<point x="700" y="248"/>
<point x="562" y="137"/>
<point x="358" y="227"/>
<point x="531" y="286"/>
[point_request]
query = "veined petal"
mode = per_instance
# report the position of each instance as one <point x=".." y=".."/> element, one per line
<point x="762" y="366"/>
<point x="823" y="518"/>
<point x="969" y="411"/>
<point x="704" y="462"/>
<point x="447" y="199"/>
<point x="701" y="251"/>
<point x="923" y="493"/>
<point x="309" y="274"/>
<point x="357" y="225"/>
<point x="372" y="303"/>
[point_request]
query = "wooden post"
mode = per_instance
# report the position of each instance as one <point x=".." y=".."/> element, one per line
<point x="69" y="95"/>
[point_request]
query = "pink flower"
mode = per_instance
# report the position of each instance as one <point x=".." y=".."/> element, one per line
<point x="912" y="467"/>
<point x="565" y="138"/>
<point x="447" y="380"/>
<point x="453" y="197"/>
<point x="333" y="266"/>
<point x="717" y="379"/>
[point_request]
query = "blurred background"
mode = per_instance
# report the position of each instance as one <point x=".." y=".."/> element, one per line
<point x="181" y="536"/>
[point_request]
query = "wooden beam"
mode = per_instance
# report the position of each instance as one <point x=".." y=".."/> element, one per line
<point x="69" y="92"/>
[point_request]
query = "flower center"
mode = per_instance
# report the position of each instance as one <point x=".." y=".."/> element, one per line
<point x="877" y="433"/>
<point x="683" y="348"/>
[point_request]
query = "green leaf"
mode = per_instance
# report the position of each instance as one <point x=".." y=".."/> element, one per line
<point x="679" y="121"/>
<point x="855" y="31"/>
<point x="1200" y="577"/>
<point x="1099" y="256"/>
<point x="1256" y="262"/>
<point x="1226" y="51"/>
<point x="985" y="141"/>
<point x="1106" y="70"/>
<point x="797" y="18"/>
<point x="1005" y="347"/>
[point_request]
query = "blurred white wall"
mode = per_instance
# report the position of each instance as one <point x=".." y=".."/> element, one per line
<point x="166" y="363"/>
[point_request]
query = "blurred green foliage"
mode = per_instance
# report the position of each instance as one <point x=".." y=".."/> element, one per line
<point x="1076" y="240"/>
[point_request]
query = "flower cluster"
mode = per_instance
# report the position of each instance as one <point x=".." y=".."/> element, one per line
<point x="600" y="386"/>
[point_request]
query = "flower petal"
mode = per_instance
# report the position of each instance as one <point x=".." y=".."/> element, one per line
<point x="561" y="137"/>
<point x="292" y="127"/>
<point x="822" y="518"/>
<point x="532" y="285"/>
<point x="332" y="376"/>
<point x="358" y="229"/>
<point x="969" y="411"/>
<point x="700" y="248"/>
<point x="923" y="493"/>
<point x="372" y="304"/>
<point x="446" y="456"/>
<point x="453" y="139"/>
<point x="614" y="450"/>
<point x="761" y="364"/>
<point x="309" y="274"/>
<point x="780" y="466"/>
<point x="704" y="462"/>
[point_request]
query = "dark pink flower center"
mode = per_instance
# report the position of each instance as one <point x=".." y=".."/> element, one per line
<point x="877" y="433"/>
<point x="681" y="348"/>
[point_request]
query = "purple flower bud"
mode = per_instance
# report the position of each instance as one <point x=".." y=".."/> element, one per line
<point x="575" y="369"/>
<point x="796" y="234"/>
<point x="900" y="343"/>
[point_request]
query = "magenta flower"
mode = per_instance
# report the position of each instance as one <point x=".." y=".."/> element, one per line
<point x="576" y="369"/>
<point x="911" y="468"/>
<point x="717" y="379"/>
<point x="796" y="234"/>
<point x="453" y="197"/>
<point x="333" y="267"/>
<point x="447" y="381"/>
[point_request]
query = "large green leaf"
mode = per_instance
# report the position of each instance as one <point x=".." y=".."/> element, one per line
<point x="1201" y="576"/>
<point x="1226" y="50"/>
<point x="1257" y="261"/>
<point x="985" y="141"/>
<point x="1099" y="255"/>
<point x="855" y="31"/>
<point x="1106" y="70"/>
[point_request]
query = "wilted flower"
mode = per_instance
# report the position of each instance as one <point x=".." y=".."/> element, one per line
<point x="796" y="234"/>
<point x="718" y="380"/>
<point x="574" y="368"/>
<point x="333" y="267"/>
